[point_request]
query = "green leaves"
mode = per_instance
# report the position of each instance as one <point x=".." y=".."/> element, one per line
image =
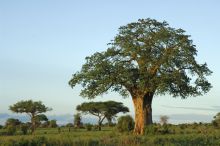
<point x="145" y="56"/>
<point x="105" y="109"/>
<point x="29" y="106"/>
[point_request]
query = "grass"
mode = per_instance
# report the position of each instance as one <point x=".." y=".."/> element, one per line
<point x="181" y="135"/>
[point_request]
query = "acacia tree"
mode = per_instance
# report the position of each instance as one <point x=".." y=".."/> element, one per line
<point x="33" y="109"/>
<point x="102" y="110"/>
<point x="146" y="58"/>
<point x="12" y="122"/>
<point x="39" y="119"/>
<point x="77" y="120"/>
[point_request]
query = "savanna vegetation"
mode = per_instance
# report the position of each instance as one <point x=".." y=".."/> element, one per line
<point x="145" y="59"/>
<point x="200" y="134"/>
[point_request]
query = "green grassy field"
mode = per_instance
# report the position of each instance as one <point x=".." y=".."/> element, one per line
<point x="182" y="135"/>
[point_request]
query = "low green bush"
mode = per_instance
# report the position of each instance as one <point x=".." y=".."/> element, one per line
<point x="24" y="128"/>
<point x="151" y="129"/>
<point x="88" y="127"/>
<point x="10" y="130"/>
<point x="125" y="123"/>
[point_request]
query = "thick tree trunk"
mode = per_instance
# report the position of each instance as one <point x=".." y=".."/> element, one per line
<point x="143" y="112"/>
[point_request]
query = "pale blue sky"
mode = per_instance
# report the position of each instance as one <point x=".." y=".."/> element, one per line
<point x="43" y="42"/>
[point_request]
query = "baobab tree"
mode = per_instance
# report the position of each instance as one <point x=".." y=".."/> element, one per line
<point x="145" y="59"/>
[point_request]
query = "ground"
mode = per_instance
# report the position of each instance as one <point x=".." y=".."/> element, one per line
<point x="184" y="134"/>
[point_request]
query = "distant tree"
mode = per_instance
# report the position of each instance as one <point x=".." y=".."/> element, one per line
<point x="102" y="109"/>
<point x="12" y="122"/>
<point x="146" y="58"/>
<point x="113" y="110"/>
<point x="216" y="121"/>
<point x="164" y="119"/>
<point x="40" y="118"/>
<point x="45" y="124"/>
<point x="69" y="125"/>
<point x="88" y="126"/>
<point x="217" y="117"/>
<point x="11" y="125"/>
<point x="32" y="108"/>
<point x="77" y="120"/>
<point x="53" y="124"/>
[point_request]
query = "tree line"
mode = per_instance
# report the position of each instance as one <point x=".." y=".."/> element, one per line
<point x="34" y="109"/>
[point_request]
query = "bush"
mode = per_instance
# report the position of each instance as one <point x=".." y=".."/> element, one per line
<point x="88" y="127"/>
<point x="125" y="123"/>
<point x="215" y="124"/>
<point x="12" y="122"/>
<point x="164" y="129"/>
<point x="53" y="124"/>
<point x="151" y="129"/>
<point x="1" y="126"/>
<point x="11" y="130"/>
<point x="24" y="128"/>
<point x="69" y="125"/>
<point x="77" y="120"/>
<point x="96" y="127"/>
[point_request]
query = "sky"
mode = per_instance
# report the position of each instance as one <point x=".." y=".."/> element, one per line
<point x="43" y="42"/>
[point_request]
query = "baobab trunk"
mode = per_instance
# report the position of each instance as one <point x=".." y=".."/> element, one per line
<point x="143" y="112"/>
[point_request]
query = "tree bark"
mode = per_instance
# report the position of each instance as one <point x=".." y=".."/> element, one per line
<point x="32" y="125"/>
<point x="143" y="112"/>
<point x="100" y="125"/>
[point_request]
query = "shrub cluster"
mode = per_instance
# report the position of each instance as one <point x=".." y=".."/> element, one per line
<point x="125" y="123"/>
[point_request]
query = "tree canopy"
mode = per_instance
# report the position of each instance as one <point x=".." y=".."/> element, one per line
<point x="102" y="110"/>
<point x="145" y="58"/>
<point x="148" y="55"/>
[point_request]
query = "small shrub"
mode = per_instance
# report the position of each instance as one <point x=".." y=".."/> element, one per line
<point x="125" y="123"/>
<point x="38" y="141"/>
<point x="95" y="127"/>
<point x="77" y="120"/>
<point x="69" y="125"/>
<point x="182" y="126"/>
<point x="53" y="124"/>
<point x="215" y="124"/>
<point x="151" y="129"/>
<point x="59" y="130"/>
<point x="164" y="129"/>
<point x="24" y="128"/>
<point x="88" y="127"/>
<point x="11" y="130"/>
